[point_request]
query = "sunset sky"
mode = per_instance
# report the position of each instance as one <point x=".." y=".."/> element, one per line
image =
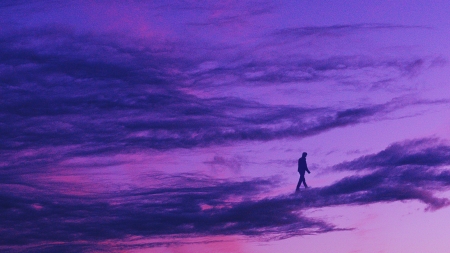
<point x="176" y="126"/>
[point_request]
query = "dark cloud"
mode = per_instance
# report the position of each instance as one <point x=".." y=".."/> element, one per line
<point x="338" y="30"/>
<point x="412" y="169"/>
<point x="420" y="152"/>
<point x="364" y="71"/>
<point x="211" y="208"/>
<point x="388" y="186"/>
<point x="343" y="70"/>
<point x="191" y="206"/>
<point x="41" y="133"/>
<point x="66" y="94"/>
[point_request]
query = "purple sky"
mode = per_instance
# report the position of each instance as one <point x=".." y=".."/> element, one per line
<point x="175" y="126"/>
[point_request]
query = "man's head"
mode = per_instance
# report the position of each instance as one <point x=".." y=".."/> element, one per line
<point x="304" y="154"/>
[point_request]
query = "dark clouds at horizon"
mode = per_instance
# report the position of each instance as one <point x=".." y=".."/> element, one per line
<point x="196" y="206"/>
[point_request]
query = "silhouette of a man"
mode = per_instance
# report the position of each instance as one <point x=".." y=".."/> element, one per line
<point x="302" y="168"/>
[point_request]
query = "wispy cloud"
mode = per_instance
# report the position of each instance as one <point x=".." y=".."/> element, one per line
<point x="234" y="163"/>
<point x="338" y="30"/>
<point x="421" y="152"/>
<point x="92" y="125"/>
<point x="362" y="71"/>
<point x="233" y="13"/>
<point x="210" y="208"/>
<point x="195" y="206"/>
<point x="67" y="95"/>
<point x="412" y="169"/>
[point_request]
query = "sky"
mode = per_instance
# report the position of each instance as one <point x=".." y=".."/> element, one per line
<point x="176" y="126"/>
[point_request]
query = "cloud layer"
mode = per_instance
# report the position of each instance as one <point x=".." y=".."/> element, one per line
<point x="80" y="88"/>
<point x="67" y="94"/>
<point x="194" y="206"/>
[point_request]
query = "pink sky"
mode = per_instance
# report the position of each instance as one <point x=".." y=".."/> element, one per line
<point x="162" y="126"/>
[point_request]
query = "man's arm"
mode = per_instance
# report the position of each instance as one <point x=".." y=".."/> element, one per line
<point x="306" y="166"/>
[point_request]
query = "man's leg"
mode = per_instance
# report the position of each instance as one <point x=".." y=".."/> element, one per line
<point x="298" y="185"/>
<point x="299" y="182"/>
<point x="302" y="178"/>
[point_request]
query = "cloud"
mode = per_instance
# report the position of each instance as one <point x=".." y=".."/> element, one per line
<point x="234" y="163"/>
<point x="72" y="95"/>
<point x="193" y="206"/>
<point x="412" y="169"/>
<point x="68" y="94"/>
<point x="76" y="96"/>
<point x="57" y="129"/>
<point x="338" y="30"/>
<point x="194" y="209"/>
<point x="420" y="152"/>
<point x="388" y="186"/>
<point x="234" y="13"/>
<point x="365" y="72"/>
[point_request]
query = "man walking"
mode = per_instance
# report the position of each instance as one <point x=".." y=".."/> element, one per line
<point x="302" y="167"/>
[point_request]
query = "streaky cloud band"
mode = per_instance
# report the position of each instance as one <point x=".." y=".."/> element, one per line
<point x="192" y="205"/>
